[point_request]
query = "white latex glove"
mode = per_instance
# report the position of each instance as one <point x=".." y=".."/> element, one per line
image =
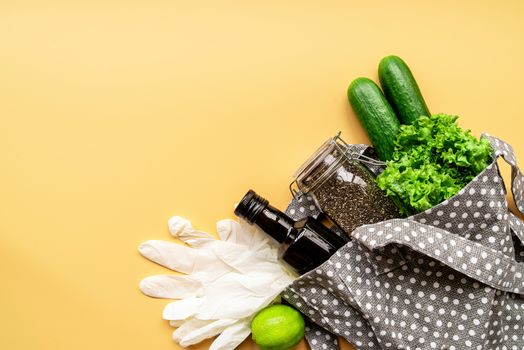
<point x="225" y="282"/>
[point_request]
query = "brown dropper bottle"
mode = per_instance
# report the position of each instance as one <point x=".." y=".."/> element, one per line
<point x="305" y="244"/>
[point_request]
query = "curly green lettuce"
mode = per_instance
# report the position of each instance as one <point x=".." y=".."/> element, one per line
<point x="434" y="158"/>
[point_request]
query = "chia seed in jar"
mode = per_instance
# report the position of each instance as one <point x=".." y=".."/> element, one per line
<point x="343" y="187"/>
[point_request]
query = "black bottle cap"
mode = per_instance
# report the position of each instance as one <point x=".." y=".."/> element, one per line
<point x="250" y="206"/>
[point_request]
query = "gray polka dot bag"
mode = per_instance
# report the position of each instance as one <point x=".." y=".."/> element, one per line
<point x="447" y="278"/>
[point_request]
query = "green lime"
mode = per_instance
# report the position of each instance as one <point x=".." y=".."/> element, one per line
<point x="277" y="327"/>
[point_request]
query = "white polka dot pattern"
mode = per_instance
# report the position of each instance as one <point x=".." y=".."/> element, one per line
<point x="517" y="226"/>
<point x="474" y="212"/>
<point x="503" y="149"/>
<point x="448" y="278"/>
<point x="485" y="264"/>
<point x="319" y="338"/>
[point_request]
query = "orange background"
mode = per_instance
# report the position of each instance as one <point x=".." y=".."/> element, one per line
<point x="116" y="115"/>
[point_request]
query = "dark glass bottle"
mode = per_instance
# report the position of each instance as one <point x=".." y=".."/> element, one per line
<point x="305" y="244"/>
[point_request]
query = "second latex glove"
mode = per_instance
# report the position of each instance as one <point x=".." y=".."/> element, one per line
<point x="226" y="281"/>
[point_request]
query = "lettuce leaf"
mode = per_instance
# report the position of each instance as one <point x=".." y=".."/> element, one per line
<point x="434" y="158"/>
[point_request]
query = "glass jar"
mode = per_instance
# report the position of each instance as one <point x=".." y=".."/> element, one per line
<point x="343" y="186"/>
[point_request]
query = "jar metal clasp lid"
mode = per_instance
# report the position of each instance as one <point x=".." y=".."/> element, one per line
<point x="337" y="150"/>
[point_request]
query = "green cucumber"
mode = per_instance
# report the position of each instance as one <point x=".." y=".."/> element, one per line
<point x="401" y="89"/>
<point x="375" y="114"/>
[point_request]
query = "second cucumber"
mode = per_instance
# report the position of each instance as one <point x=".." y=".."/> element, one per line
<point x="401" y="89"/>
<point x="375" y="114"/>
